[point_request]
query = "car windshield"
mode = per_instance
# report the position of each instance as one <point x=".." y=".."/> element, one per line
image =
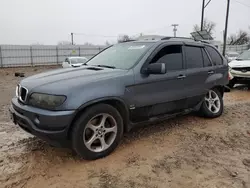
<point x="244" y="56"/>
<point x="78" y="60"/>
<point x="121" y="56"/>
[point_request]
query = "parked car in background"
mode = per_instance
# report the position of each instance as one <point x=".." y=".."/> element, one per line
<point x="74" y="62"/>
<point x="240" y="69"/>
<point x="230" y="56"/>
<point x="122" y="87"/>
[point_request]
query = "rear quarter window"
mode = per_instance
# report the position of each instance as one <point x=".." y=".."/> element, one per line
<point x="215" y="56"/>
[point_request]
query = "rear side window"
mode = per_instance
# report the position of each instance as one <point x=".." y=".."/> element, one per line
<point x="215" y="56"/>
<point x="206" y="60"/>
<point x="171" y="56"/>
<point x="194" y="57"/>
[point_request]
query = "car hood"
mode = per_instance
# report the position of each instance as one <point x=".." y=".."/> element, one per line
<point x="67" y="78"/>
<point x="236" y="63"/>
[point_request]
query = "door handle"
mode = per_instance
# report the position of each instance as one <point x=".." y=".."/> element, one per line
<point x="210" y="72"/>
<point x="181" y="76"/>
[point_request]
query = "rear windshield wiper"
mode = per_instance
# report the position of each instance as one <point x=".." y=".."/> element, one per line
<point x="105" y="66"/>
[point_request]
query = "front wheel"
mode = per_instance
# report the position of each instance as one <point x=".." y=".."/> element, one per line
<point x="97" y="132"/>
<point x="212" y="105"/>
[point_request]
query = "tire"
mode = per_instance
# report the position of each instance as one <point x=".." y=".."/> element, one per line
<point x="100" y="137"/>
<point x="231" y="84"/>
<point x="211" y="112"/>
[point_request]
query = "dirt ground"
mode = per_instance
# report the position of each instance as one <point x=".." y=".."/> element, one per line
<point x="184" y="152"/>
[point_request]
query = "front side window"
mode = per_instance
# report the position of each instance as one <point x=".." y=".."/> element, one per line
<point x="171" y="56"/>
<point x="121" y="56"/>
<point x="215" y="56"/>
<point x="194" y="57"/>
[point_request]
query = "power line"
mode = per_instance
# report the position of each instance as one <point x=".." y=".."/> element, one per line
<point x="110" y="36"/>
<point x="91" y="35"/>
<point x="204" y="5"/>
<point x="242" y="3"/>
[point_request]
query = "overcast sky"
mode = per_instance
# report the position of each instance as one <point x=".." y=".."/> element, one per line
<point x="51" y="21"/>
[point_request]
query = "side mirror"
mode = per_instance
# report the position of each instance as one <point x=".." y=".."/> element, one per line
<point x="156" y="68"/>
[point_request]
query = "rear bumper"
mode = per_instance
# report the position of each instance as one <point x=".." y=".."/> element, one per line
<point x="51" y="126"/>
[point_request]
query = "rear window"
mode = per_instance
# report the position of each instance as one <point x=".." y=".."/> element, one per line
<point x="215" y="56"/>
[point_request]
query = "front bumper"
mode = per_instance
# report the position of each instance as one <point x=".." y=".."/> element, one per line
<point x="51" y="126"/>
<point x="240" y="74"/>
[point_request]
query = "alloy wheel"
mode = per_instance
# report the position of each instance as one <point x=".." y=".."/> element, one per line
<point x="100" y="132"/>
<point x="212" y="102"/>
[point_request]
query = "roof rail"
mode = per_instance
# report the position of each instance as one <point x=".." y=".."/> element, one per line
<point x="167" y="38"/>
<point x="203" y="41"/>
<point x="130" y="40"/>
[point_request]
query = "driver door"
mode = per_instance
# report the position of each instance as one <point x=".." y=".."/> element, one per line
<point x="158" y="94"/>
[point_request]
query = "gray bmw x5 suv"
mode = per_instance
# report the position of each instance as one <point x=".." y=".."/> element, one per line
<point x="128" y="84"/>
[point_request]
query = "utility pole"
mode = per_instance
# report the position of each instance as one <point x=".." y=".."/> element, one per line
<point x="175" y="28"/>
<point x="202" y="12"/>
<point x="226" y="25"/>
<point x="72" y="38"/>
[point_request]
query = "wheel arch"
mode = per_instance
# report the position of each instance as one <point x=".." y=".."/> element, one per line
<point x="220" y="88"/>
<point x="115" y="102"/>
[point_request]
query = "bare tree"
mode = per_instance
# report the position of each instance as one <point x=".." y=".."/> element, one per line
<point x="123" y="38"/>
<point x="242" y="37"/>
<point x="209" y="26"/>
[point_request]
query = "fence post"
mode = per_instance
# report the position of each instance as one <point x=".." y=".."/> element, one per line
<point x="1" y="56"/>
<point x="80" y="51"/>
<point x="57" y="56"/>
<point x="31" y="56"/>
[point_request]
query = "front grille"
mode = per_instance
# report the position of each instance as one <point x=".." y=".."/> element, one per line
<point x="242" y="69"/>
<point x="21" y="93"/>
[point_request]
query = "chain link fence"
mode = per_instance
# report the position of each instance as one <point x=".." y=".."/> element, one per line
<point x="24" y="55"/>
<point x="235" y="48"/>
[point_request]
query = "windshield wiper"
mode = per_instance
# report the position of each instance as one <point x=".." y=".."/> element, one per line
<point x="105" y="66"/>
<point x="239" y="59"/>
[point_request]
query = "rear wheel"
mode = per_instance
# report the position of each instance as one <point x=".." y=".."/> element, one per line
<point x="231" y="83"/>
<point x="212" y="105"/>
<point x="97" y="132"/>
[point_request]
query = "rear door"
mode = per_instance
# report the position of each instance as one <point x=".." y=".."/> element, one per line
<point x="198" y="71"/>
<point x="221" y="69"/>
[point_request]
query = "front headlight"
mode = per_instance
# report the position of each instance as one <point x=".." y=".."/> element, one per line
<point x="46" y="101"/>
